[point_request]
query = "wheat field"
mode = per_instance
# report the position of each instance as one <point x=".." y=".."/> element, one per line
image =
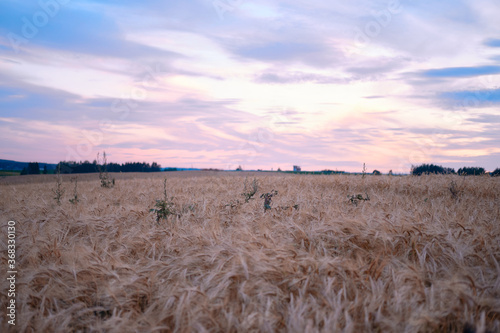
<point x="415" y="257"/>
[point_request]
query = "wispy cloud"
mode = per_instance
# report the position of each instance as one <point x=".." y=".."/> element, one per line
<point x="299" y="77"/>
<point x="308" y="53"/>
<point x="68" y="28"/>
<point x="492" y="119"/>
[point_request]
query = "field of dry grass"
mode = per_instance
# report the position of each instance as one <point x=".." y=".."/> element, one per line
<point x="411" y="259"/>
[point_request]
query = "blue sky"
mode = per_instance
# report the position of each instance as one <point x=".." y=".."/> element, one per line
<point x="262" y="84"/>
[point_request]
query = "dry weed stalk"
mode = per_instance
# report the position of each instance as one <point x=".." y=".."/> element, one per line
<point x="75" y="199"/>
<point x="103" y="171"/>
<point x="58" y="191"/>
<point x="250" y="190"/>
<point x="268" y="197"/>
<point x="164" y="207"/>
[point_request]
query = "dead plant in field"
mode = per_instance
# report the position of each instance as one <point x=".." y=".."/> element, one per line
<point x="233" y="204"/>
<point x="454" y="190"/>
<point x="248" y="194"/>
<point x="75" y="199"/>
<point x="164" y="207"/>
<point x="356" y="199"/>
<point x="103" y="172"/>
<point x="268" y="198"/>
<point x="250" y="190"/>
<point x="58" y="191"/>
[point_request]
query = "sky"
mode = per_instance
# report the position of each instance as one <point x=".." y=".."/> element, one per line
<point x="261" y="84"/>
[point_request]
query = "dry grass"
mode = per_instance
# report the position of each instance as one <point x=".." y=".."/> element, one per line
<point x="413" y="258"/>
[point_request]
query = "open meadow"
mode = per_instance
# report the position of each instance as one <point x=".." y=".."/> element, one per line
<point x="329" y="253"/>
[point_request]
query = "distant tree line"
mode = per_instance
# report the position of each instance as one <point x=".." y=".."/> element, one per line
<point x="471" y="171"/>
<point x="88" y="167"/>
<point x="33" y="168"/>
<point x="331" y="172"/>
<point x="426" y="169"/>
<point x="323" y="172"/>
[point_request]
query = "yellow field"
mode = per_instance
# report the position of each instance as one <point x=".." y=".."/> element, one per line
<point x="411" y="259"/>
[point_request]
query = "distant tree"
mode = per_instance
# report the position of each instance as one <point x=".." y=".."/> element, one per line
<point x="449" y="171"/>
<point x="155" y="167"/>
<point x="390" y="173"/>
<point x="239" y="168"/>
<point x="471" y="171"/>
<point x="85" y="167"/>
<point x="495" y="173"/>
<point x="64" y="167"/>
<point x="376" y="173"/>
<point x="279" y="169"/>
<point x="114" y="167"/>
<point x="33" y="168"/>
<point x="45" y="171"/>
<point x="426" y="169"/>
